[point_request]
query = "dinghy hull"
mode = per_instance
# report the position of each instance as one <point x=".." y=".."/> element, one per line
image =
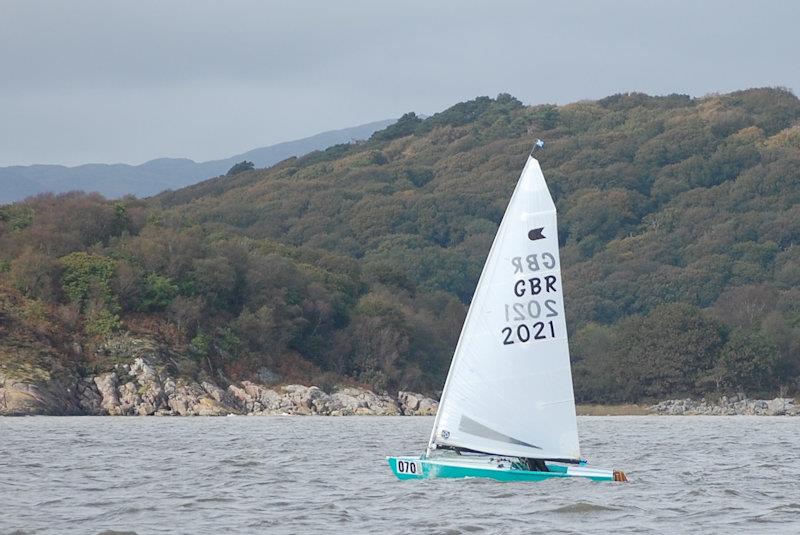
<point x="497" y="469"/>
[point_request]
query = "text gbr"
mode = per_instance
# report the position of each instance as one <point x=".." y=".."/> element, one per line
<point x="532" y="286"/>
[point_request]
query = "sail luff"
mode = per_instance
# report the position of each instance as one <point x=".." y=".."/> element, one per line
<point x="458" y="350"/>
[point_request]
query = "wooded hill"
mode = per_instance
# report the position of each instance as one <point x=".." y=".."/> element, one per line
<point x="679" y="220"/>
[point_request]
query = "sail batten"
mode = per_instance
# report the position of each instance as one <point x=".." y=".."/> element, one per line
<point x="509" y="389"/>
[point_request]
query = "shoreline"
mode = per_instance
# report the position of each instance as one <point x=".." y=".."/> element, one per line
<point x="144" y="382"/>
<point x="776" y="407"/>
<point x="724" y="406"/>
<point x="602" y="409"/>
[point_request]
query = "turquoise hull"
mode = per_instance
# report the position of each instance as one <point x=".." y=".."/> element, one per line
<point x="485" y="467"/>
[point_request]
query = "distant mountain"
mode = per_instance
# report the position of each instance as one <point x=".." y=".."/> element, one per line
<point x="116" y="180"/>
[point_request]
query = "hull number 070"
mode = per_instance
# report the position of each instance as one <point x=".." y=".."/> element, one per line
<point x="407" y="467"/>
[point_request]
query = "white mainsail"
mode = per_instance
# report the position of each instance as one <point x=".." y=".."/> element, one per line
<point x="509" y="389"/>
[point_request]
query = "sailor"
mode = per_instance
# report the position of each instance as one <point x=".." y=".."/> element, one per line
<point x="536" y="465"/>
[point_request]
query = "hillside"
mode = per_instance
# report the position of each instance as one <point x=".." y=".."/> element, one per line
<point x="679" y="219"/>
<point x="149" y="178"/>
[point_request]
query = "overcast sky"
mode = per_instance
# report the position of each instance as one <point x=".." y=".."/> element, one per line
<point x="105" y="81"/>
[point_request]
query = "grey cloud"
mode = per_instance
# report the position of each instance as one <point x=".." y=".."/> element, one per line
<point x="112" y="81"/>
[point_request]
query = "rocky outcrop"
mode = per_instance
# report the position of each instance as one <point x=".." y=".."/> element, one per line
<point x="728" y="406"/>
<point x="38" y="396"/>
<point x="298" y="399"/>
<point x="144" y="383"/>
<point x="413" y="404"/>
<point x="139" y="389"/>
<point x="89" y="398"/>
<point x="140" y="377"/>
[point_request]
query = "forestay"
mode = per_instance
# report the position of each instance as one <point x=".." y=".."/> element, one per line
<point x="509" y="389"/>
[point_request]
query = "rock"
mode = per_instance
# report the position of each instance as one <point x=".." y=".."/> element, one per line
<point x="141" y="388"/>
<point x="46" y="389"/>
<point x="219" y="395"/>
<point x="209" y="407"/>
<point x="778" y="406"/>
<point x="107" y="387"/>
<point x="129" y="398"/>
<point x="178" y="405"/>
<point x="409" y="401"/>
<point x="413" y="404"/>
<point x="271" y="402"/>
<point x="241" y="398"/>
<point x="427" y="407"/>
<point x="169" y="387"/>
<point x="300" y="399"/>
<point x="190" y="399"/>
<point x="255" y="399"/>
<point x="18" y="398"/>
<point x="350" y="400"/>
<point x="89" y="397"/>
<point x="735" y="405"/>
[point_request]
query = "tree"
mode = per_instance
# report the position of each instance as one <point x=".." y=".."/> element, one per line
<point x="380" y="340"/>
<point x="158" y="292"/>
<point x="592" y="353"/>
<point x="36" y="275"/>
<point x="664" y="353"/>
<point x="747" y="363"/>
<point x="87" y="275"/>
<point x="240" y="167"/>
<point x="216" y="280"/>
<point x="603" y="214"/>
<point x="361" y="258"/>
<point x="405" y="125"/>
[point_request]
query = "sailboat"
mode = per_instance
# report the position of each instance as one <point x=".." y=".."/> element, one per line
<point x="507" y="411"/>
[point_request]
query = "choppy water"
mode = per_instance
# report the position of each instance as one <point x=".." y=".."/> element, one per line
<point x="324" y="475"/>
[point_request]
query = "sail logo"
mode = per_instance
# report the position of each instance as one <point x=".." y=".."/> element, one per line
<point x="536" y="234"/>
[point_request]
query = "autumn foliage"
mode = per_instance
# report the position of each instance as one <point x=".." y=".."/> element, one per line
<point x="679" y="220"/>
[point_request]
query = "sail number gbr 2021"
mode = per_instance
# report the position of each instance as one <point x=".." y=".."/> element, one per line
<point x="541" y="330"/>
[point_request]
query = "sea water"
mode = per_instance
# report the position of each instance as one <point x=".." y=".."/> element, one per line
<point x="145" y="475"/>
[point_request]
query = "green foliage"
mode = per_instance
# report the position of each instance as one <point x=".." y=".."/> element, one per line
<point x="546" y="117"/>
<point x="200" y="345"/>
<point x="747" y="363"/>
<point x="16" y="216"/>
<point x="240" y="167"/>
<point x="405" y="126"/>
<point x="330" y="154"/>
<point x="87" y="275"/>
<point x="374" y="157"/>
<point x="419" y="177"/>
<point x="604" y="214"/>
<point x="227" y="343"/>
<point x="102" y="322"/>
<point x="158" y="292"/>
<point x="678" y="219"/>
<point x="665" y="352"/>
<point x="36" y="275"/>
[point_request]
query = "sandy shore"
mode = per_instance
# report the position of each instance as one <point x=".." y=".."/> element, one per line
<point x="612" y="410"/>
